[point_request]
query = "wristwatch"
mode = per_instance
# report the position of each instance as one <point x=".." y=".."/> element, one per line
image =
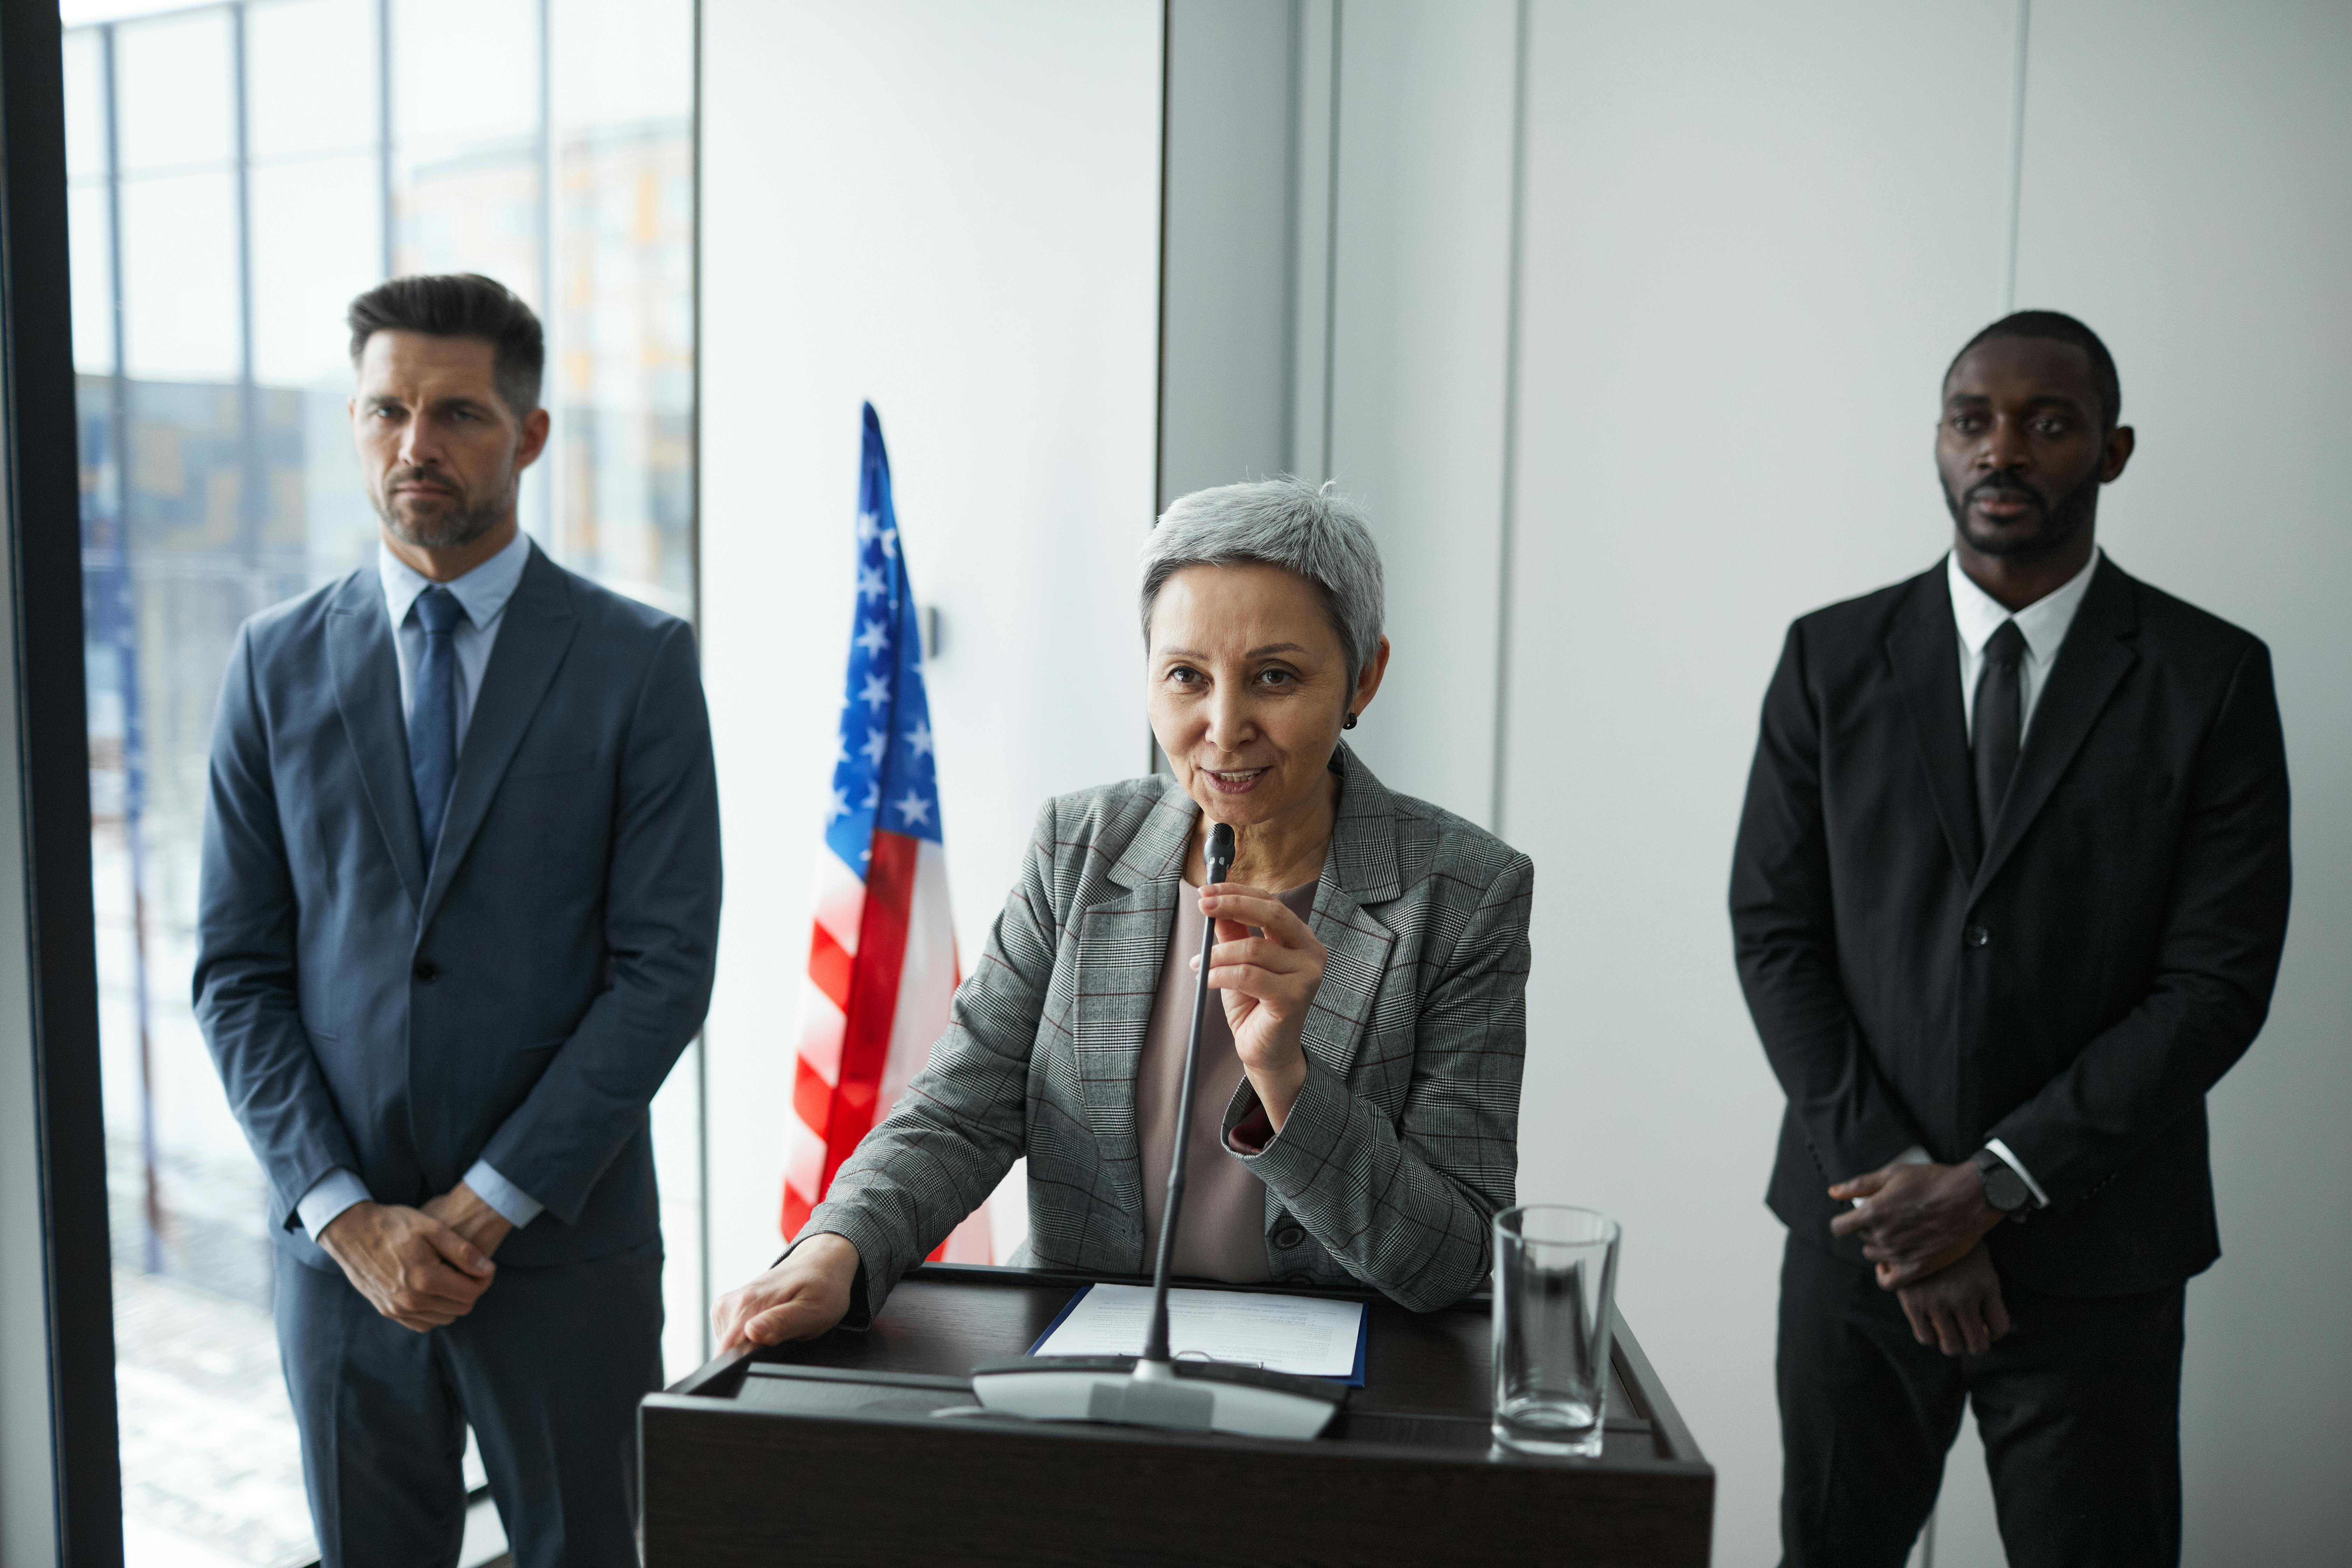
<point x="2004" y="1189"/>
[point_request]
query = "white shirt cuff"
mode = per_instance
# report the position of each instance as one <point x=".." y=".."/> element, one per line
<point x="515" y="1207"/>
<point x="329" y="1196"/>
<point x="2040" y="1199"/>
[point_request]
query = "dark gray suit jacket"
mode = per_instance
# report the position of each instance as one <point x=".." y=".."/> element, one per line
<point x="516" y="996"/>
<point x="1404" y="1143"/>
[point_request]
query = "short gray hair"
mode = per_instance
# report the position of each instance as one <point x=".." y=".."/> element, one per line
<point x="1313" y="531"/>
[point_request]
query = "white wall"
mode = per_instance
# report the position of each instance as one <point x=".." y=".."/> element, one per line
<point x="1229" y="305"/>
<point x="952" y="210"/>
<point x="1754" y="236"/>
<point x="2188" y="189"/>
<point x="1419" y="344"/>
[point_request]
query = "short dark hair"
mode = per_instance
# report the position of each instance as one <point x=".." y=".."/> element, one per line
<point x="459" y="305"/>
<point x="2059" y="327"/>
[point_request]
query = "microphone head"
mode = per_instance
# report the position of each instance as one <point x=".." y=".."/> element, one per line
<point x="1219" y="856"/>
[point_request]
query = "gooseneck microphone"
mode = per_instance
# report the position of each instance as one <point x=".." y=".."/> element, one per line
<point x="1155" y="1389"/>
<point x="1219" y="858"/>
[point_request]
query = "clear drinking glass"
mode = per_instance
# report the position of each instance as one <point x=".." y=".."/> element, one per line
<point x="1555" y="1275"/>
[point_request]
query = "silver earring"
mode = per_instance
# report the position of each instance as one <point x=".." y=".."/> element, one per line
<point x="1348" y="722"/>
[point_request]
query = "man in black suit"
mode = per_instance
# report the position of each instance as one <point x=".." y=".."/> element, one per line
<point x="2008" y="900"/>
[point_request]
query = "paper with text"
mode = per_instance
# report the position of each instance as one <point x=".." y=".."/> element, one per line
<point x="1300" y="1334"/>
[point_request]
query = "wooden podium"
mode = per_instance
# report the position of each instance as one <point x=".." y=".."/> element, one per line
<point x="836" y="1451"/>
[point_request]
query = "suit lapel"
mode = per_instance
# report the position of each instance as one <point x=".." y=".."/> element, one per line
<point x="1360" y="870"/>
<point x="534" y="634"/>
<point x="1923" y="649"/>
<point x="2091" y="664"/>
<point x="365" y="670"/>
<point x="1122" y="943"/>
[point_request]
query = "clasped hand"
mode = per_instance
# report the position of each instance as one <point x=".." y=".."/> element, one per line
<point x="1914" y="1219"/>
<point x="1269" y="982"/>
<point x="1923" y="1227"/>
<point x="422" y="1267"/>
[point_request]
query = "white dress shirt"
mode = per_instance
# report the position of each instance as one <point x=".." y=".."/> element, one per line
<point x="482" y="594"/>
<point x="2044" y="624"/>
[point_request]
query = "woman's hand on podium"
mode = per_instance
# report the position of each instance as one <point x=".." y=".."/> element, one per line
<point x="799" y="1299"/>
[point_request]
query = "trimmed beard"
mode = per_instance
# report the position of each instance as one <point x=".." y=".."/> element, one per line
<point x="452" y="529"/>
<point x="2061" y="520"/>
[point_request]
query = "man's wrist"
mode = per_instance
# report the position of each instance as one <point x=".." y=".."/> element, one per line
<point x="514" y="1206"/>
<point x="2005" y="1192"/>
<point x="328" y="1198"/>
<point x="341" y="1229"/>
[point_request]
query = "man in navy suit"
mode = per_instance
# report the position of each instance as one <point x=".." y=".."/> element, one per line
<point x="460" y="908"/>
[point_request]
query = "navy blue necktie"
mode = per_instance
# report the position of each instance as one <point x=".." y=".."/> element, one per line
<point x="433" y="713"/>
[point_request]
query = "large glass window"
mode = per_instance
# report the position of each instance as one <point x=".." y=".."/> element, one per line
<point x="238" y="172"/>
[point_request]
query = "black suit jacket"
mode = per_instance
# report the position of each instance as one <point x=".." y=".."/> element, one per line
<point x="2072" y="988"/>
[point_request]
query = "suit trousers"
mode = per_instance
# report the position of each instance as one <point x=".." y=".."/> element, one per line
<point x="546" y="1369"/>
<point x="2079" y="1406"/>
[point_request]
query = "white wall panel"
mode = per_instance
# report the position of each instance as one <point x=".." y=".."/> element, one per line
<point x="954" y="211"/>
<point x="1226" y="325"/>
<point x="1754" y="236"/>
<point x="2186" y="192"/>
<point x="1419" y="345"/>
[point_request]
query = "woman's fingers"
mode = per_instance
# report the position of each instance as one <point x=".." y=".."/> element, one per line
<point x="1243" y="980"/>
<point x="1255" y="907"/>
<point x="1264" y="952"/>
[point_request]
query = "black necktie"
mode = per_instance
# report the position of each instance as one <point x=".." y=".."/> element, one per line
<point x="2001" y="722"/>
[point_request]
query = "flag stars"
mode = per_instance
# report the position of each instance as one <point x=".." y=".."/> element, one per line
<point x="868" y="525"/>
<point x="878" y="741"/>
<point x="873" y="639"/>
<point x="870" y="584"/>
<point x="889" y="544"/>
<point x="919" y="738"/>
<point x="877" y="694"/>
<point x="914" y="809"/>
<point x="840" y="807"/>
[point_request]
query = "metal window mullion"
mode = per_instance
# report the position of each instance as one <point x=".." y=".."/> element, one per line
<point x="253" y="498"/>
<point x="550" y="470"/>
<point x="384" y="129"/>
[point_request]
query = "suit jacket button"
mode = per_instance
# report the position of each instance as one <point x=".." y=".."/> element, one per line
<point x="1976" y="936"/>
<point x="427" y="971"/>
<point x="1288" y="1237"/>
<point x="1300" y="1280"/>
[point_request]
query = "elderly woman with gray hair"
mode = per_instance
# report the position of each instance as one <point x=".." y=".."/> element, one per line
<point x="1371" y="956"/>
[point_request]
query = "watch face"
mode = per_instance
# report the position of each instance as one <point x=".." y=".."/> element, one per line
<point x="2004" y="1189"/>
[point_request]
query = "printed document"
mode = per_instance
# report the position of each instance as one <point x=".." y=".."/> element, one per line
<point x="1300" y="1334"/>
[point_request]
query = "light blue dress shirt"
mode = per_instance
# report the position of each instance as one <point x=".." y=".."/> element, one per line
<point x="482" y="594"/>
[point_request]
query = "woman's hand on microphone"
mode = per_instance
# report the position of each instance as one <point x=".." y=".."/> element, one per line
<point x="1269" y="982"/>
<point x="799" y="1299"/>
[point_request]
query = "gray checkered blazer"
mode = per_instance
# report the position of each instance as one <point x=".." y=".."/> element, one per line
<point x="1404" y="1140"/>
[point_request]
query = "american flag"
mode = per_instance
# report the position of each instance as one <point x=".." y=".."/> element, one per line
<point x="882" y="958"/>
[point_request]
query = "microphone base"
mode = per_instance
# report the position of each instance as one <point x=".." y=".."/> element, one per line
<point x="1184" y="1395"/>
